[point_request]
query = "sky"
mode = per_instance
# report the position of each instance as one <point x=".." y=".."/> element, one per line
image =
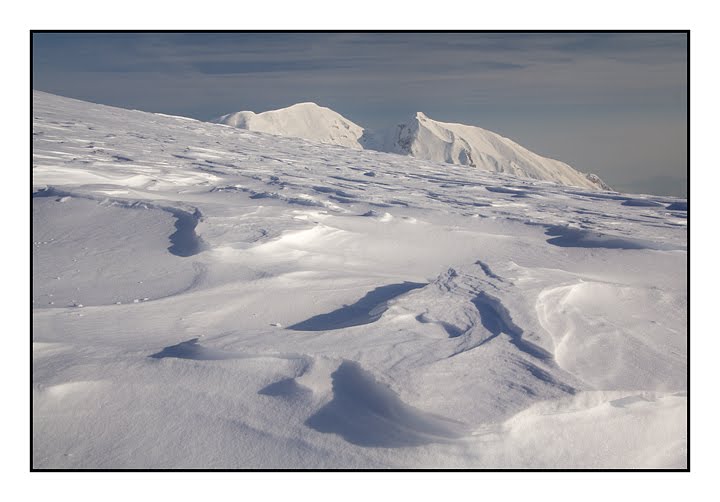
<point x="614" y="104"/>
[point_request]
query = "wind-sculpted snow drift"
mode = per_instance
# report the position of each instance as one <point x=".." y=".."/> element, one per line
<point x="212" y="297"/>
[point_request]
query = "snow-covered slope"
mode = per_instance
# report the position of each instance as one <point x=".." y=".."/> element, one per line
<point x="303" y="120"/>
<point x="209" y="297"/>
<point x="421" y="137"/>
<point x="424" y="138"/>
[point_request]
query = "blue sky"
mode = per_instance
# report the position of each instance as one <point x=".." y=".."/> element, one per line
<point x="613" y="104"/>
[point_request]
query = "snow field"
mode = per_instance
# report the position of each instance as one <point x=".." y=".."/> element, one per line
<point x="295" y="312"/>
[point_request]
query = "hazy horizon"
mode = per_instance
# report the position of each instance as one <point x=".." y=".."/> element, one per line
<point x="614" y="104"/>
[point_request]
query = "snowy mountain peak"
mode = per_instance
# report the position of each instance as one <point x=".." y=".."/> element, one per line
<point x="425" y="138"/>
<point x="420" y="137"/>
<point x="305" y="120"/>
<point x="305" y="104"/>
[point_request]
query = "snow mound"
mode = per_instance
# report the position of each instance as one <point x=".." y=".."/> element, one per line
<point x="303" y="120"/>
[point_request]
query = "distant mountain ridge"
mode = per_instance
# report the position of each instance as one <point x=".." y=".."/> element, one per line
<point x="420" y="137"/>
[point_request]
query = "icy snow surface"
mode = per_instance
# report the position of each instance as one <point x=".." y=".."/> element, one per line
<point x="209" y="297"/>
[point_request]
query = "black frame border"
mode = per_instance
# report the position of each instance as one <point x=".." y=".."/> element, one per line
<point x="310" y="31"/>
